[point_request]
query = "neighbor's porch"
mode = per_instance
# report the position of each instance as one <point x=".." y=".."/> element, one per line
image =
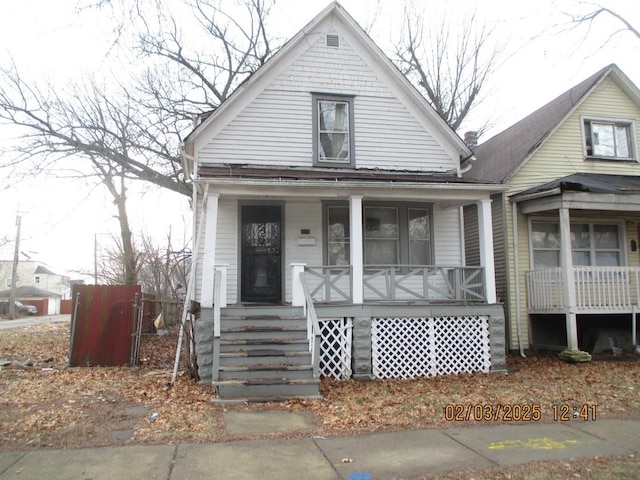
<point x="603" y="298"/>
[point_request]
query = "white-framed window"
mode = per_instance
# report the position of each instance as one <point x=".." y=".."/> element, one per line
<point x="607" y="139"/>
<point x="333" y="141"/>
<point x="36" y="279"/>
<point x="592" y="244"/>
<point x="8" y="282"/>
<point x="393" y="234"/>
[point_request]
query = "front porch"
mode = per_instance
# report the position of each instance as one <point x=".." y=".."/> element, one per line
<point x="415" y="322"/>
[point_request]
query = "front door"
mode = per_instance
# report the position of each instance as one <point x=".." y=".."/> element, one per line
<point x="261" y="248"/>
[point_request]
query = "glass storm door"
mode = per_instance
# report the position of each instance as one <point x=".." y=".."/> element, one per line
<point x="261" y="254"/>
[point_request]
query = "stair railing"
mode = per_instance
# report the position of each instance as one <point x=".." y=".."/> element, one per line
<point x="313" y="327"/>
<point x="217" y="300"/>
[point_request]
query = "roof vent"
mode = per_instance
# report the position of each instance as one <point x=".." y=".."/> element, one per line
<point x="333" y="40"/>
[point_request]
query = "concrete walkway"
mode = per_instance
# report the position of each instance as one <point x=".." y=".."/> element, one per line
<point x="381" y="455"/>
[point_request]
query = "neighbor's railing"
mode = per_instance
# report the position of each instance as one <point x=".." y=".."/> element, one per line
<point x="596" y="288"/>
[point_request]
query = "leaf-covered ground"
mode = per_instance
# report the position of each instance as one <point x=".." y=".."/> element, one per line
<point x="44" y="404"/>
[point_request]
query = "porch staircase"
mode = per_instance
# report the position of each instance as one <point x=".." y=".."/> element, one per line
<point x="264" y="356"/>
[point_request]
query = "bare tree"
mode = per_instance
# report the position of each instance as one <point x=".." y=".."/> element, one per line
<point x="450" y="63"/>
<point x="592" y="12"/>
<point x="161" y="271"/>
<point x="132" y="128"/>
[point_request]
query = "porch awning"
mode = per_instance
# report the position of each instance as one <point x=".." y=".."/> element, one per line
<point x="588" y="182"/>
<point x="582" y="191"/>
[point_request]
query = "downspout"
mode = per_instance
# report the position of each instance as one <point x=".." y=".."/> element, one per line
<point x="516" y="272"/>
<point x="462" y="236"/>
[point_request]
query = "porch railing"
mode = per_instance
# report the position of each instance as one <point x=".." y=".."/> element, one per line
<point x="313" y="327"/>
<point x="597" y="288"/>
<point x="398" y="282"/>
<point x="329" y="283"/>
<point x="424" y="282"/>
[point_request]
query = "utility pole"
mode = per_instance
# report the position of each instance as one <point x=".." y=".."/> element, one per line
<point x="14" y="274"/>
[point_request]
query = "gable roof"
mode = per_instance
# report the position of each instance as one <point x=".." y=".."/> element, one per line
<point x="43" y="270"/>
<point x="500" y="157"/>
<point x="295" y="42"/>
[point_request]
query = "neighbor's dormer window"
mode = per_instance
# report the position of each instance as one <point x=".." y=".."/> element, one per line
<point x="609" y="140"/>
<point x="333" y="131"/>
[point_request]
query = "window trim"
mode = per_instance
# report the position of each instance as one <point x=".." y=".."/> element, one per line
<point x="629" y="124"/>
<point x="591" y="222"/>
<point x="349" y="99"/>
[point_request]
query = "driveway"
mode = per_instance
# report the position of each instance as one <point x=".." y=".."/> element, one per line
<point x="29" y="321"/>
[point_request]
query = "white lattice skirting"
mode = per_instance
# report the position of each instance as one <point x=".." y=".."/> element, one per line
<point x="430" y="346"/>
<point x="335" y="348"/>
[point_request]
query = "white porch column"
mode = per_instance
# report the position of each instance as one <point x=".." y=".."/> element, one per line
<point x="566" y="262"/>
<point x="485" y="232"/>
<point x="297" y="293"/>
<point x="209" y="257"/>
<point x="357" y="248"/>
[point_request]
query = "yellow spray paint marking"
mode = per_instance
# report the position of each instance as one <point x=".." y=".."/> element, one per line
<point x="544" y="443"/>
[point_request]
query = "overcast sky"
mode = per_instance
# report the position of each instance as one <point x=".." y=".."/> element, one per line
<point x="50" y="41"/>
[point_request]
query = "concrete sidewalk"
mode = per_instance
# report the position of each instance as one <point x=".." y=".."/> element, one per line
<point x="382" y="455"/>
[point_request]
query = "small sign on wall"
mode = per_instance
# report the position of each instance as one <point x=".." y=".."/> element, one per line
<point x="306" y="241"/>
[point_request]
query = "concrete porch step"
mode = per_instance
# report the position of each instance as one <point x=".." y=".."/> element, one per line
<point x="259" y="387"/>
<point x="264" y="357"/>
<point x="261" y="344"/>
<point x="245" y="372"/>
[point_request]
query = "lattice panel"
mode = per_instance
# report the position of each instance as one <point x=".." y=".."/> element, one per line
<point x="424" y="347"/>
<point x="335" y="348"/>
<point x="401" y="348"/>
<point x="462" y="344"/>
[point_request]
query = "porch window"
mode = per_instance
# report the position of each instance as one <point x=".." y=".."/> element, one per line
<point x="419" y="237"/>
<point x="338" y="235"/>
<point x="609" y="139"/>
<point x="392" y="234"/>
<point x="591" y="244"/>
<point x="381" y="235"/>
<point x="333" y="130"/>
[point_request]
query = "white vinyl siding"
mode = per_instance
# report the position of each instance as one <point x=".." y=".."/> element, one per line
<point x="446" y="237"/>
<point x="301" y="215"/>
<point x="275" y="128"/>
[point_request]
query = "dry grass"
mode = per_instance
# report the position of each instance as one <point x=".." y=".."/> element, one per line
<point x="44" y="404"/>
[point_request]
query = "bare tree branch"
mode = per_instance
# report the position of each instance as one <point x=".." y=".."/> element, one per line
<point x="450" y="67"/>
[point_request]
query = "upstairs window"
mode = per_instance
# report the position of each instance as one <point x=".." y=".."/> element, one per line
<point x="606" y="139"/>
<point x="333" y="131"/>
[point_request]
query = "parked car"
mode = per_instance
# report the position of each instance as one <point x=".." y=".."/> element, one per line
<point x="20" y="307"/>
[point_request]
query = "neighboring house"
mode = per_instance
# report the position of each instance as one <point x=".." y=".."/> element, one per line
<point x="47" y="303"/>
<point x="328" y="227"/>
<point x="35" y="274"/>
<point x="570" y="277"/>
